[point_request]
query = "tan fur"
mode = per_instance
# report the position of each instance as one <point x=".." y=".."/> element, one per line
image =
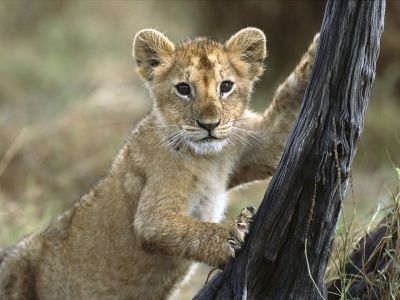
<point x="137" y="232"/>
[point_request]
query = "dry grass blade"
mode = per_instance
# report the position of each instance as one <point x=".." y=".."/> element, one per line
<point x="13" y="150"/>
<point x="372" y="269"/>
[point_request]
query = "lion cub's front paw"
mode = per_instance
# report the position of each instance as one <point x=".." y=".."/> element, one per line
<point x="237" y="230"/>
<point x="240" y="227"/>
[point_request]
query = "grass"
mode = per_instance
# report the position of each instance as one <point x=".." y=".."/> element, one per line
<point x="379" y="271"/>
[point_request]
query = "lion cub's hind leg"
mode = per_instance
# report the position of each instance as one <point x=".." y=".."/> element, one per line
<point x="17" y="278"/>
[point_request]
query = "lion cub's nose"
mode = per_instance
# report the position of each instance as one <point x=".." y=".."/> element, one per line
<point x="208" y="126"/>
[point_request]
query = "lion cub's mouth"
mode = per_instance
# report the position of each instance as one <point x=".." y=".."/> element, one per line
<point x="208" y="138"/>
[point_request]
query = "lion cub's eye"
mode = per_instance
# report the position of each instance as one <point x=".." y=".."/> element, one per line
<point x="226" y="87"/>
<point x="183" y="89"/>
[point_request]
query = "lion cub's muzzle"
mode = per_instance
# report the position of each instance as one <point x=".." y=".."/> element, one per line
<point x="209" y="127"/>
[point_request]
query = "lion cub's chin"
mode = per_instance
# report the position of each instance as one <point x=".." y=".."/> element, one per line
<point x="207" y="146"/>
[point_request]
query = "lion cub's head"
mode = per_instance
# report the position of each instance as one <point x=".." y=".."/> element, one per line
<point x="200" y="87"/>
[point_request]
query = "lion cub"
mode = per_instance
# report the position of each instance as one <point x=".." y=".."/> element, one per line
<point x="137" y="232"/>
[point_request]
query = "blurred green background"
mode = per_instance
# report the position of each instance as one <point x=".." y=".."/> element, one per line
<point x="69" y="96"/>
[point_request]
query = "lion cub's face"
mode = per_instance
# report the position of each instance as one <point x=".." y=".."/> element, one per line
<point x="201" y="87"/>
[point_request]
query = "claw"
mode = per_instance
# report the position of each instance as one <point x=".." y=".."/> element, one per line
<point x="241" y="226"/>
<point x="252" y="209"/>
<point x="233" y="244"/>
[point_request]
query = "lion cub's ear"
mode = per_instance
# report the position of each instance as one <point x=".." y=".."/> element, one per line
<point x="150" y="49"/>
<point x="250" y="44"/>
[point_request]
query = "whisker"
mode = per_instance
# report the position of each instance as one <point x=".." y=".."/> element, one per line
<point x="240" y="138"/>
<point x="245" y="134"/>
<point x="249" y="118"/>
<point x="187" y="143"/>
<point x="169" y="140"/>
<point x="248" y="131"/>
<point x="253" y="135"/>
<point x="168" y="137"/>
<point x="246" y="120"/>
<point x="181" y="140"/>
<point x="229" y="140"/>
<point x="161" y="126"/>
<point x="177" y="140"/>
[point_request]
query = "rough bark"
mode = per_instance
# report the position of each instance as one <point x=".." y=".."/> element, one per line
<point x="288" y="248"/>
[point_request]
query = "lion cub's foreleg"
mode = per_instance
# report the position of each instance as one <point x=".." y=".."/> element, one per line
<point x="259" y="159"/>
<point x="176" y="234"/>
<point x="289" y="94"/>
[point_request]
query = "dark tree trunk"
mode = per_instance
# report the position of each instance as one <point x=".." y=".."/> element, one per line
<point x="287" y="251"/>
